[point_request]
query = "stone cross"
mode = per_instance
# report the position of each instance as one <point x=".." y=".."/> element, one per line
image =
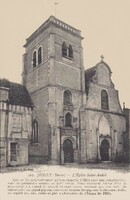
<point x="102" y="57"/>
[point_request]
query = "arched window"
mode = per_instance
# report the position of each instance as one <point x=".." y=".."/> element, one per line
<point x="104" y="100"/>
<point x="35" y="131"/>
<point x="39" y="55"/>
<point x="34" y="59"/>
<point x="68" y="120"/>
<point x="70" y="51"/>
<point x="67" y="97"/>
<point x="64" y="50"/>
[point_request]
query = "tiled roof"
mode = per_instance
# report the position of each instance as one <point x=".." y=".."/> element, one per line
<point x="18" y="94"/>
<point x="89" y="73"/>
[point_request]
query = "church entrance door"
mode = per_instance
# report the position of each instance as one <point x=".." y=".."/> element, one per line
<point x="104" y="150"/>
<point x="68" y="151"/>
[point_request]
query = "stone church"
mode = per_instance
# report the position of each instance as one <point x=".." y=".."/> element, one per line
<point x="61" y="113"/>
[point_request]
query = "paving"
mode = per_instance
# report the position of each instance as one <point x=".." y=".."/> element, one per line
<point x="121" y="167"/>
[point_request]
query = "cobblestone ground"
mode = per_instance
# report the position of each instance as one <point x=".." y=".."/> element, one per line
<point x="121" y="167"/>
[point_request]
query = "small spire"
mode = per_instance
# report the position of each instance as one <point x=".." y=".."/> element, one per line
<point x="102" y="57"/>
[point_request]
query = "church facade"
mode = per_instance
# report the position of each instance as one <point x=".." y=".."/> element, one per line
<point x="75" y="114"/>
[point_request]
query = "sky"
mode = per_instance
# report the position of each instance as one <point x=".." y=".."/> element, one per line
<point x="104" y="24"/>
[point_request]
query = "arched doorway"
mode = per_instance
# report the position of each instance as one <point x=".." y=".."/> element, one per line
<point x="104" y="150"/>
<point x="68" y="151"/>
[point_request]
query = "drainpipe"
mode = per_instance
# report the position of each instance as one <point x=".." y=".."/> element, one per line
<point x="97" y="144"/>
<point x="60" y="146"/>
<point x="6" y="130"/>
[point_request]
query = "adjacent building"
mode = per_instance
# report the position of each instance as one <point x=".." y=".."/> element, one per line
<point x="126" y="137"/>
<point x="15" y="123"/>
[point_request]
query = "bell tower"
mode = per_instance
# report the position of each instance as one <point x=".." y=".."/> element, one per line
<point x="53" y="73"/>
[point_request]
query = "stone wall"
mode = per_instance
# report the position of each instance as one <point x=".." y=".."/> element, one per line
<point x="116" y="126"/>
<point x="101" y="123"/>
<point x="40" y="113"/>
<point x="47" y="83"/>
<point x="127" y="135"/>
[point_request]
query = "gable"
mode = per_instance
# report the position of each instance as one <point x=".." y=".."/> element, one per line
<point x="104" y="74"/>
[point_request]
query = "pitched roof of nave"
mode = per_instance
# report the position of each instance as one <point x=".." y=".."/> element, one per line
<point x="18" y="94"/>
<point x="89" y="75"/>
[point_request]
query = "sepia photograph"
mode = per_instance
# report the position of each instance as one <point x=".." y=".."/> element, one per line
<point x="64" y="99"/>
